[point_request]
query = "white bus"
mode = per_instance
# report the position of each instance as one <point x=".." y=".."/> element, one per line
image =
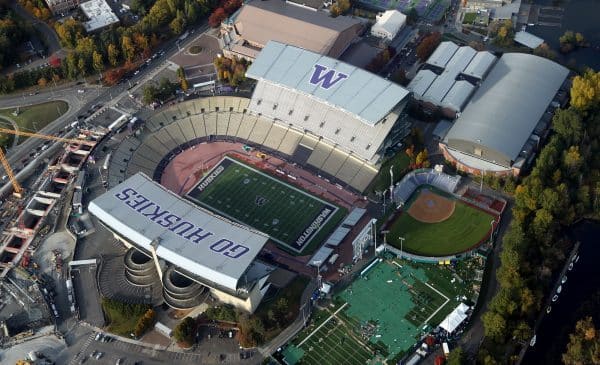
<point x="118" y="123"/>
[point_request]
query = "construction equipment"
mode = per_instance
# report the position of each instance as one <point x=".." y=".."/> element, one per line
<point x="18" y="190"/>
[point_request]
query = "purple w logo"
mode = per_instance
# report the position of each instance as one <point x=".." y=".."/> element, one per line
<point x="326" y="79"/>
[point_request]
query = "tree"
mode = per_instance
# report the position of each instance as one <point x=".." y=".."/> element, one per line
<point x="113" y="55"/>
<point x="340" y="7"/>
<point x="252" y="331"/>
<point x="97" y="62"/>
<point x="572" y="159"/>
<point x="183" y="83"/>
<point x="177" y="25"/>
<point x="184" y="332"/>
<point x="412" y="16"/>
<point x="456" y="357"/>
<point x="494" y="325"/>
<point x="567" y="124"/>
<point x="149" y="94"/>
<point x="584" y="344"/>
<point x="428" y="45"/>
<point x="215" y="19"/>
<point x="127" y="48"/>
<point x="144" y="323"/>
<point x="585" y="91"/>
<point x="42" y="82"/>
<point x="544" y="50"/>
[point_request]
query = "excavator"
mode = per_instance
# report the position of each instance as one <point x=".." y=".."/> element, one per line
<point x="17" y="188"/>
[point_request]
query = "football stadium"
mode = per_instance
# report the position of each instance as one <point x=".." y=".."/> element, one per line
<point x="290" y="216"/>
<point x="279" y="169"/>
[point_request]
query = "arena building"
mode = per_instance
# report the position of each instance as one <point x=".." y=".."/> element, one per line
<point x="353" y="110"/>
<point x="185" y="241"/>
<point x="247" y="31"/>
<point x="508" y="115"/>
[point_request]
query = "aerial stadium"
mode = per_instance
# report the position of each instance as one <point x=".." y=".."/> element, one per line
<point x="277" y="173"/>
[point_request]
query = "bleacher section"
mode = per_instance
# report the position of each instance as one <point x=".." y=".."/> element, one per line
<point x="183" y="125"/>
<point x="405" y="188"/>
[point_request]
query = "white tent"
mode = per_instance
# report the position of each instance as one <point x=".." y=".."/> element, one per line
<point x="388" y="24"/>
<point x="455" y="318"/>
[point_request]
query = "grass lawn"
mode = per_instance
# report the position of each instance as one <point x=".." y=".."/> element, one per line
<point x="400" y="163"/>
<point x="121" y="322"/>
<point x="465" y="228"/>
<point x="469" y="18"/>
<point x="290" y="216"/>
<point x="35" y="117"/>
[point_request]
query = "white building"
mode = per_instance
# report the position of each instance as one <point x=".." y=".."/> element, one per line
<point x="179" y="236"/>
<point x="388" y="24"/>
<point x="99" y="13"/>
<point x="347" y="107"/>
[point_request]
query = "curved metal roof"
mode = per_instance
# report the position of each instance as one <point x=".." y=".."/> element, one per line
<point x="148" y="215"/>
<point x="505" y="109"/>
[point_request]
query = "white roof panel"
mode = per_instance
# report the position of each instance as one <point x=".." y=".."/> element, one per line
<point x="442" y="54"/>
<point x="480" y="64"/>
<point x="365" y="95"/>
<point x="146" y="214"/>
<point x="528" y="40"/>
<point x="458" y="95"/>
<point x="421" y="82"/>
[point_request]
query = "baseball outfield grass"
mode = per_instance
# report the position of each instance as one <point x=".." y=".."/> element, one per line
<point x="465" y="228"/>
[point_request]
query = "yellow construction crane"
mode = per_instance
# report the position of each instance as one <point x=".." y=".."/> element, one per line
<point x="18" y="190"/>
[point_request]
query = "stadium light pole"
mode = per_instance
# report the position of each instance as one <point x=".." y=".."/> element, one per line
<point x="401" y="246"/>
<point x="391" y="184"/>
<point x="492" y="231"/>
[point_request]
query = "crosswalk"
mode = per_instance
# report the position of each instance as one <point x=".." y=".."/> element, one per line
<point x="82" y="353"/>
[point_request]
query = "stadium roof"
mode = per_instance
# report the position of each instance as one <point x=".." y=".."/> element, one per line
<point x="263" y="21"/>
<point x="146" y="214"/>
<point x="508" y="105"/>
<point x="365" y="95"/>
<point x="449" y="88"/>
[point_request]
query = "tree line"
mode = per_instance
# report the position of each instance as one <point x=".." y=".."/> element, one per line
<point x="563" y="185"/>
<point x="115" y="46"/>
<point x="13" y="32"/>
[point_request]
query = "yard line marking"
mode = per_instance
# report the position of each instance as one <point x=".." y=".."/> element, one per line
<point x="441" y="306"/>
<point x="322" y="324"/>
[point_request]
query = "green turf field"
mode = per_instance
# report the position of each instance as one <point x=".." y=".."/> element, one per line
<point x="385" y="311"/>
<point x="465" y="228"/>
<point x="330" y="345"/>
<point x="290" y="216"/>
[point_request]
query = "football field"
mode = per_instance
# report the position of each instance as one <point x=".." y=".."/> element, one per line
<point x="290" y="216"/>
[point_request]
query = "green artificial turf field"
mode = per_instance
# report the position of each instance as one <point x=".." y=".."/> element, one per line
<point x="465" y="228"/>
<point x="290" y="216"/>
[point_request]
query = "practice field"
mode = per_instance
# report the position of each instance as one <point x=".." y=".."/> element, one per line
<point x="290" y="216"/>
<point x="384" y="311"/>
<point x="431" y="231"/>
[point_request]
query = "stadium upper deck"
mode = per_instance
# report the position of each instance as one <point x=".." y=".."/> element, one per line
<point x="352" y="108"/>
<point x="144" y="213"/>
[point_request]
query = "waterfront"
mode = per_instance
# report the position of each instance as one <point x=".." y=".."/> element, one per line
<point x="579" y="16"/>
<point x="580" y="294"/>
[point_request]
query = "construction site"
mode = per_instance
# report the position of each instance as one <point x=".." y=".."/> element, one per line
<point x="34" y="210"/>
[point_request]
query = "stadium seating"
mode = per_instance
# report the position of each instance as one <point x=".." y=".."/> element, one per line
<point x="185" y="124"/>
<point x="405" y="188"/>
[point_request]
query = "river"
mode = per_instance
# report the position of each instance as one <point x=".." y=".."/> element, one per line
<point x="579" y="16"/>
<point x="579" y="295"/>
